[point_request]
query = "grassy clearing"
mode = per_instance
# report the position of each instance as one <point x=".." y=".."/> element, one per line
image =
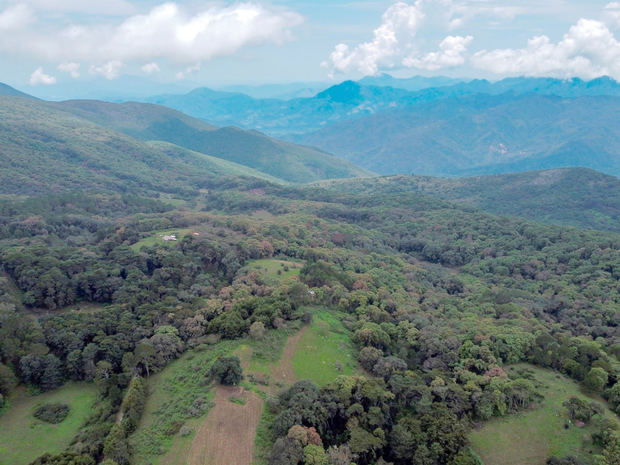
<point x="156" y="238"/>
<point x="325" y="350"/>
<point x="277" y="270"/>
<point x="531" y="437"/>
<point x="23" y="438"/>
<point x="179" y="396"/>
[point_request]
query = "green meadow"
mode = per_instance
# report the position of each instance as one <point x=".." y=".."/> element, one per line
<point x="325" y="350"/>
<point x="23" y="437"/>
<point x="532" y="436"/>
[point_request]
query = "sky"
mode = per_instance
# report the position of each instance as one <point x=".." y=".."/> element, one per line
<point x="185" y="43"/>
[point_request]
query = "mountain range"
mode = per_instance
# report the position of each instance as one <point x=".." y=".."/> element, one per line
<point x="481" y="134"/>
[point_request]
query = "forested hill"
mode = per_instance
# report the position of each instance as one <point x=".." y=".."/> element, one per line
<point x="95" y="145"/>
<point x="571" y="196"/>
<point x="8" y="91"/>
<point x="277" y="158"/>
<point x="46" y="150"/>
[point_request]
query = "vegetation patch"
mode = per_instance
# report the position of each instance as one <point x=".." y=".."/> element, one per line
<point x="52" y="413"/>
<point x="24" y="437"/>
<point x="325" y="350"/>
<point x="534" y="435"/>
<point x="179" y="398"/>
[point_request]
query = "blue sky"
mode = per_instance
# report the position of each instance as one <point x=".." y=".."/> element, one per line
<point x="46" y="43"/>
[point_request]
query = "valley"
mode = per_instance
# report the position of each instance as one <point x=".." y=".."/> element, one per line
<point x="180" y="289"/>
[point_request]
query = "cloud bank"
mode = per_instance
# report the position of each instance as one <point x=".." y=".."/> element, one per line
<point x="589" y="49"/>
<point x="167" y="32"/>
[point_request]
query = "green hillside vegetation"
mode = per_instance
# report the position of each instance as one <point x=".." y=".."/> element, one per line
<point x="23" y="437"/>
<point x="280" y="159"/>
<point x="571" y="196"/>
<point x="420" y="304"/>
<point x="49" y="150"/>
<point x="534" y="435"/>
<point x="8" y="91"/>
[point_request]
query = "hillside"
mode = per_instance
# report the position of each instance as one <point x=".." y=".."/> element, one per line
<point x="571" y="196"/>
<point x="481" y="134"/>
<point x="277" y="158"/>
<point x="8" y="91"/>
<point x="48" y="150"/>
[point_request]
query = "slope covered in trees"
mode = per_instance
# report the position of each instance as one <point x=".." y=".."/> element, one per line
<point x="45" y="148"/>
<point x="435" y="298"/>
<point x="284" y="160"/>
<point x="572" y="196"/>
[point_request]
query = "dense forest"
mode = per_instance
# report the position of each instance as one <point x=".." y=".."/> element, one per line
<point x="439" y="299"/>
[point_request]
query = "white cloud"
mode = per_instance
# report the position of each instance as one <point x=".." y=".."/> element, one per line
<point x="39" y="77"/>
<point x="110" y="70"/>
<point x="71" y="68"/>
<point x="612" y="13"/>
<point x="588" y="50"/>
<point x="15" y="17"/>
<point x="398" y="27"/>
<point x="187" y="71"/>
<point x="167" y="32"/>
<point x="150" y="68"/>
<point x="105" y="8"/>
<point x="451" y="53"/>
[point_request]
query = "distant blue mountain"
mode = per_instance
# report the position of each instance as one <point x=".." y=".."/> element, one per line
<point x="352" y="100"/>
<point x="481" y="134"/>
<point x="413" y="84"/>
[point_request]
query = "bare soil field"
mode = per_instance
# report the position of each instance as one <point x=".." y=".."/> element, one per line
<point x="227" y="435"/>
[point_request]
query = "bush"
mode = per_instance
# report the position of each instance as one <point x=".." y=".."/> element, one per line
<point x="227" y="371"/>
<point x="52" y="413"/>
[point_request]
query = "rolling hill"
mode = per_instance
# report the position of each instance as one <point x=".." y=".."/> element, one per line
<point x="146" y="122"/>
<point x="47" y="150"/>
<point x="571" y="196"/>
<point x="481" y="134"/>
<point x="8" y="91"/>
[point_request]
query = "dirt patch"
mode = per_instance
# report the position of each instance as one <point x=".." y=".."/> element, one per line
<point x="227" y="434"/>
<point x="282" y="371"/>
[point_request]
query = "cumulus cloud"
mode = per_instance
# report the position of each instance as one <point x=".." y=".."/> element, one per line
<point x="398" y="26"/>
<point x="70" y="68"/>
<point x="150" y="68"/>
<point x="451" y="53"/>
<point x="110" y="70"/>
<point x="167" y="32"/>
<point x="612" y="13"/>
<point x="15" y="17"/>
<point x="39" y="77"/>
<point x="395" y="42"/>
<point x="588" y="50"/>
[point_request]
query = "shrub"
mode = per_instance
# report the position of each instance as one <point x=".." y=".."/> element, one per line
<point x="52" y="413"/>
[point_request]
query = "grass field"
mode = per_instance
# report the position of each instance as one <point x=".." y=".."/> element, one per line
<point x="274" y="269"/>
<point x="23" y="438"/>
<point x="530" y="437"/>
<point x="325" y="350"/>
<point x="179" y="396"/>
